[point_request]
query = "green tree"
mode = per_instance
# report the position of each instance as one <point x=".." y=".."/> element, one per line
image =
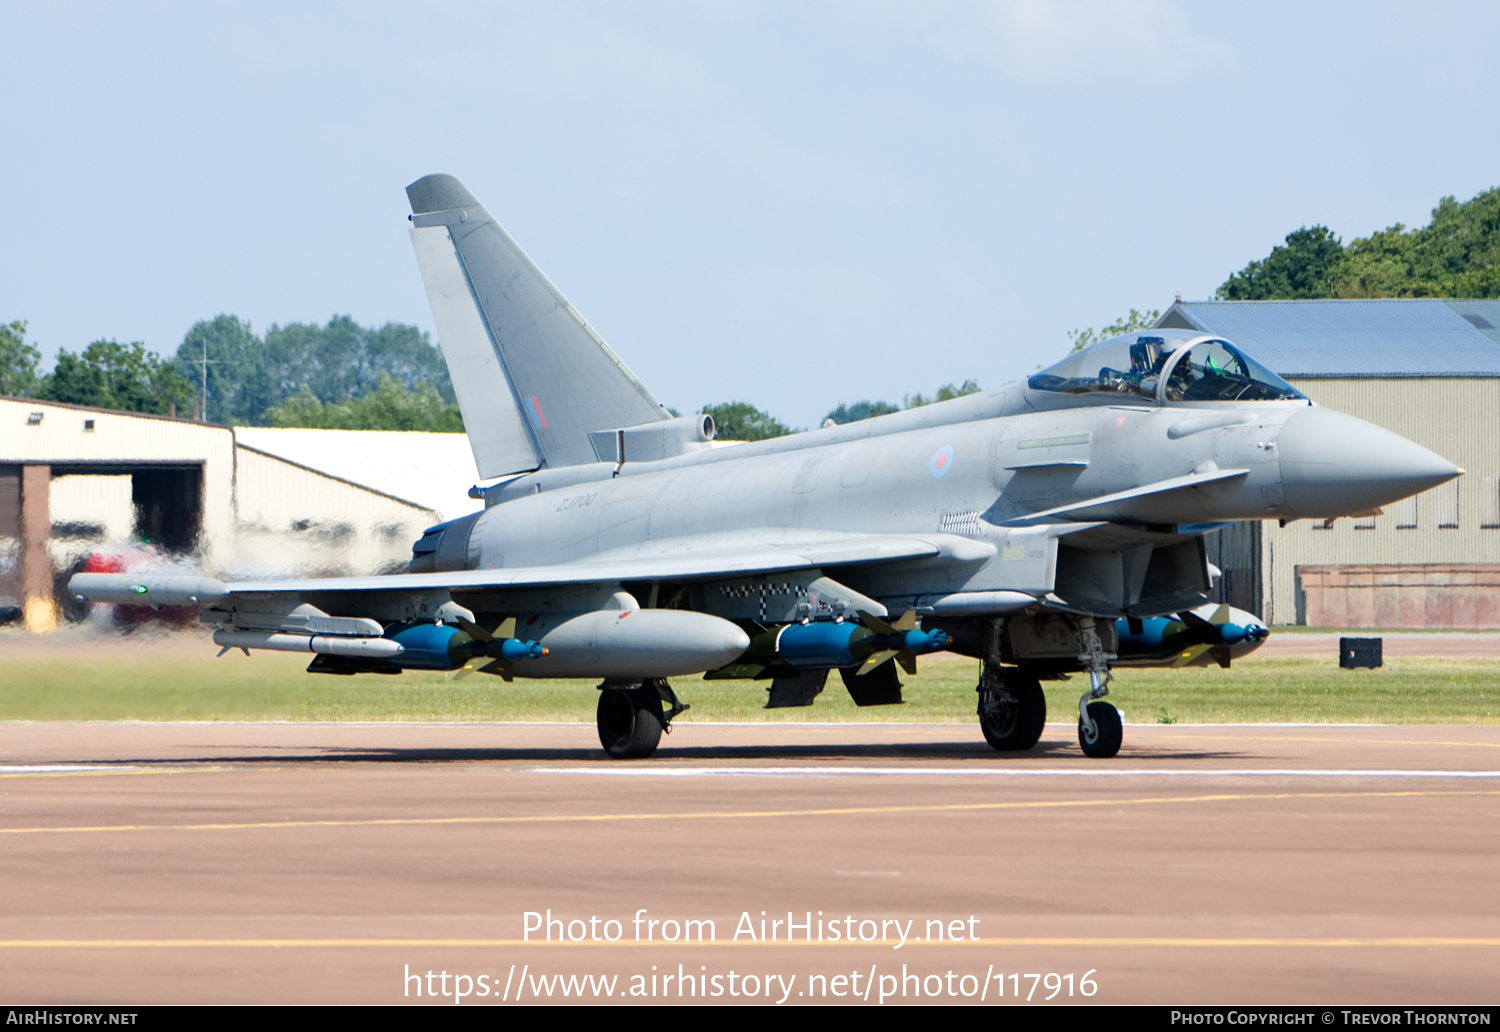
<point x="1304" y="268"/>
<point x="390" y="406"/>
<point x="344" y="360"/>
<point x="116" y="376"/>
<point x="239" y="383"/>
<point x="1125" y="324"/>
<point x="860" y="410"/>
<point x="248" y="376"/>
<point x="947" y="392"/>
<point x="18" y="360"/>
<point x="738" y="421"/>
<point x="1457" y="254"/>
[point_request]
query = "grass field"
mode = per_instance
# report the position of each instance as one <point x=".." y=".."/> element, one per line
<point x="179" y="679"/>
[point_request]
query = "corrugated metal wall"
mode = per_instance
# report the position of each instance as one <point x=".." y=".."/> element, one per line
<point x="1459" y="418"/>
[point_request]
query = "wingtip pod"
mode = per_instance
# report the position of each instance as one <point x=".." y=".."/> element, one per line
<point x="148" y="589"/>
<point x="439" y="192"/>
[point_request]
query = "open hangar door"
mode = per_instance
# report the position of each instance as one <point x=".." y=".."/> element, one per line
<point x="51" y="530"/>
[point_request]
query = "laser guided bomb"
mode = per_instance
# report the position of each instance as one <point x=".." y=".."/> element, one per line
<point x="1049" y="526"/>
<point x="1195" y="637"/>
<point x="798" y="656"/>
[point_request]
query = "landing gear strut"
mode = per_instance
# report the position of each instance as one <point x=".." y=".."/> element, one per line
<point x="631" y="719"/>
<point x="1099" y="730"/>
<point x="1012" y="708"/>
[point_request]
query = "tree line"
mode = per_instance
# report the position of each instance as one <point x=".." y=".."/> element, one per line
<point x="337" y="376"/>
<point x="1457" y="254"/>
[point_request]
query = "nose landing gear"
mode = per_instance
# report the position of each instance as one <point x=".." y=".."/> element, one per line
<point x="1100" y="732"/>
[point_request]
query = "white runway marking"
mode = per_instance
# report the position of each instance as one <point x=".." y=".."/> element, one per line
<point x="961" y="772"/>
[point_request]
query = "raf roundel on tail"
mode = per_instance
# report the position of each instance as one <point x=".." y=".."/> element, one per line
<point x="1050" y="526"/>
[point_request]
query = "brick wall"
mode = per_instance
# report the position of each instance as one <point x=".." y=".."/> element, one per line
<point x="1457" y="595"/>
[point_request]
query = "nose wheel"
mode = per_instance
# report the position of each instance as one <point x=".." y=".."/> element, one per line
<point x="1101" y="735"/>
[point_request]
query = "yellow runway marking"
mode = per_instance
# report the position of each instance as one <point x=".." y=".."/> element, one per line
<point x="730" y="814"/>
<point x="107" y="773"/>
<point x="1131" y="941"/>
<point x="1300" y="738"/>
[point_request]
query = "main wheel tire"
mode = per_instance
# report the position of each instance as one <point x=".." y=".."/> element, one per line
<point x="1015" y="724"/>
<point x="630" y="721"/>
<point x="1108" y="732"/>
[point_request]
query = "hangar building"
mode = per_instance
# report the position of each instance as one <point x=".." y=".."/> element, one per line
<point x="239" y="502"/>
<point x="1427" y="369"/>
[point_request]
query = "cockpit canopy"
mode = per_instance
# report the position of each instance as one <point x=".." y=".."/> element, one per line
<point x="1165" y="366"/>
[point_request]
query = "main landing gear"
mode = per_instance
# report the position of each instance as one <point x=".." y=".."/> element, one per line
<point x="1099" y="730"/>
<point x="631" y="718"/>
<point x="1012" y="708"/>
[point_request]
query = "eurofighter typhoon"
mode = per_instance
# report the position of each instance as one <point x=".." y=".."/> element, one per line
<point x="1050" y="526"/>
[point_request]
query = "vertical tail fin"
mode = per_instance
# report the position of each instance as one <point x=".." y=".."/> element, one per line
<point x="532" y="377"/>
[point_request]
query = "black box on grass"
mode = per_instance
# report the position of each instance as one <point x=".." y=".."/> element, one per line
<point x="1359" y="652"/>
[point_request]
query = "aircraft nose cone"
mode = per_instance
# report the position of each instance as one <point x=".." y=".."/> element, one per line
<point x="1335" y="465"/>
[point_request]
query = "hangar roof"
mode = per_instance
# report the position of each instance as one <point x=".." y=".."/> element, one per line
<point x="1384" y="337"/>
<point x="431" y="471"/>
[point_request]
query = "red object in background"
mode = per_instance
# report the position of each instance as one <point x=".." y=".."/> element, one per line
<point x="131" y="616"/>
<point x="98" y="562"/>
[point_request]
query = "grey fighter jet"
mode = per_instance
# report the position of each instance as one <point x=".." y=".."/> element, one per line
<point x="1016" y="526"/>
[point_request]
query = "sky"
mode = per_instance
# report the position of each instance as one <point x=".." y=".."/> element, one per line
<point x="790" y="204"/>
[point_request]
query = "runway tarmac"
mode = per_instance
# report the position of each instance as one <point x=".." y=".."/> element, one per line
<point x="342" y="863"/>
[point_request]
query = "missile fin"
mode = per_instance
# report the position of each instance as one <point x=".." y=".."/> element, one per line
<point x="499" y="667"/>
<point x="474" y="631"/>
<point x="1193" y="621"/>
<point x="1192" y="653"/>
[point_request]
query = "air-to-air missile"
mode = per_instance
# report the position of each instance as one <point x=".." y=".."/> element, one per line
<point x="1052" y="525"/>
